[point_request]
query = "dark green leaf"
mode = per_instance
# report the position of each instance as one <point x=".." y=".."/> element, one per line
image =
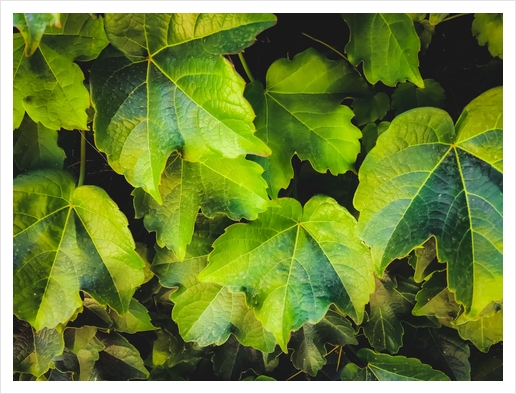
<point x="300" y="113"/>
<point x="424" y="261"/>
<point x="35" y="147"/>
<point x="488" y="366"/>
<point x="68" y="239"/>
<point x="370" y="108"/>
<point x="216" y="185"/>
<point x="170" y="89"/>
<point x="426" y="177"/>
<point x="83" y="343"/>
<point x="293" y="263"/>
<point x="384" y="39"/>
<point x="408" y="96"/>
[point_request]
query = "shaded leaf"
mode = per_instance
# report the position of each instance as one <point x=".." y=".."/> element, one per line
<point x="488" y="366"/>
<point x="34" y="351"/>
<point x="67" y="239"/>
<point x="169" y="88"/>
<point x="441" y="348"/>
<point x="408" y="96"/>
<point x="293" y="263"/>
<point x="426" y="177"/>
<point x="380" y="39"/>
<point x="370" y="134"/>
<point x="484" y="332"/>
<point x="207" y="313"/>
<point x="392" y="368"/>
<point x="309" y="342"/>
<point x="216" y="185"/>
<point x="32" y="27"/>
<point x="136" y="319"/>
<point x="352" y="372"/>
<point x="35" y="147"/>
<point x="424" y="261"/>
<point x="259" y="378"/>
<point x="370" y="108"/>
<point x="83" y="343"/>
<point x="119" y="360"/>
<point x="300" y="113"/>
<point x="488" y="28"/>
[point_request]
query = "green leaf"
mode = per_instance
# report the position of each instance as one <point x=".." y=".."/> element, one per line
<point x="435" y="299"/>
<point x="408" y="96"/>
<point x="484" y="332"/>
<point x="216" y="185"/>
<point x="136" y="319"/>
<point x="426" y="177"/>
<point x="309" y="342"/>
<point x="119" y="360"/>
<point x="207" y="313"/>
<point x="259" y="378"/>
<point x="32" y="27"/>
<point x="293" y="263"/>
<point x="169" y="88"/>
<point x="370" y="133"/>
<point x="384" y="39"/>
<point x="488" y="366"/>
<point x="397" y="368"/>
<point x="370" y="108"/>
<point x="84" y="344"/>
<point x="488" y="28"/>
<point x="33" y="351"/>
<point x="68" y="239"/>
<point x="35" y="147"/>
<point x="424" y="261"/>
<point x="435" y="19"/>
<point x="300" y="113"/>
<point x="441" y="348"/>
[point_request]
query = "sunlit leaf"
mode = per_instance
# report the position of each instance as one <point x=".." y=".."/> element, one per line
<point x="32" y="27"/>
<point x="136" y="319"/>
<point x="384" y="39"/>
<point x="484" y="332"/>
<point x="426" y="177"/>
<point x="300" y="113"/>
<point x="67" y="239"/>
<point x="292" y="263"/>
<point x="488" y="28"/>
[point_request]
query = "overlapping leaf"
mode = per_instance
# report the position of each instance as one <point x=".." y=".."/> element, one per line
<point x="408" y="96"/>
<point x="32" y="27"/>
<point x="136" y="319"/>
<point x="300" y="113"/>
<point x="67" y="239"/>
<point x="370" y="108"/>
<point x="384" y="39"/>
<point x="231" y="186"/>
<point x="384" y="367"/>
<point x="35" y="147"/>
<point x="168" y="88"/>
<point x="292" y="263"/>
<point x="48" y="85"/>
<point x="207" y="313"/>
<point x="426" y="177"/>
<point x="488" y="28"/>
<point x="483" y="332"/>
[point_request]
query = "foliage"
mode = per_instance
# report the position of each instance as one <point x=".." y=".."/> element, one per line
<point x="338" y="216"/>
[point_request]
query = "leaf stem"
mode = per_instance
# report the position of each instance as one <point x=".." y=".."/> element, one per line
<point x="329" y="47"/>
<point x="246" y="68"/>
<point x="82" y="169"/>
<point x="297" y="373"/>
<point x="453" y="17"/>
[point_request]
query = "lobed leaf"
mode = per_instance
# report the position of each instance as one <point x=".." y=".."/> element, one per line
<point x="380" y="39"/>
<point x="84" y="344"/>
<point x="293" y="263"/>
<point x="300" y="113"/>
<point x="426" y="178"/>
<point x="32" y="27"/>
<point x="167" y="87"/>
<point x="67" y="239"/>
<point x="488" y="28"/>
<point x="408" y="96"/>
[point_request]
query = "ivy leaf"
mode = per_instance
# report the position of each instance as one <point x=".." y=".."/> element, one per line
<point x="309" y="342"/>
<point x="488" y="28"/>
<point x="426" y="177"/>
<point x="35" y="147"/>
<point x="293" y="263"/>
<point x="34" y="351"/>
<point x="441" y="348"/>
<point x="136" y="319"/>
<point x="484" y="332"/>
<point x="216" y="185"/>
<point x="169" y="88"/>
<point x="48" y="85"/>
<point x="67" y="239"/>
<point x="119" y="360"/>
<point x="380" y="39"/>
<point x="434" y="299"/>
<point x="408" y="96"/>
<point x="300" y="113"/>
<point x="384" y="367"/>
<point x="207" y="313"/>
<point x="370" y="108"/>
<point x="32" y="27"/>
<point x="83" y="343"/>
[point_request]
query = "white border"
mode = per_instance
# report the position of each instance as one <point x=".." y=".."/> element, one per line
<point x="9" y="7"/>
